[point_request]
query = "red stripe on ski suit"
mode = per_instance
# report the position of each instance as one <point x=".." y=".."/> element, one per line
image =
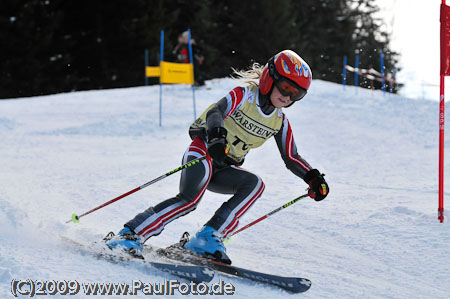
<point x="290" y="148"/>
<point x="236" y="97"/>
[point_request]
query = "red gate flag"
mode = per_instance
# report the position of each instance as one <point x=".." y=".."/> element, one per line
<point x="445" y="39"/>
<point x="445" y="71"/>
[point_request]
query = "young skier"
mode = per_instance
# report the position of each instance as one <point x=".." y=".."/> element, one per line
<point x="244" y="119"/>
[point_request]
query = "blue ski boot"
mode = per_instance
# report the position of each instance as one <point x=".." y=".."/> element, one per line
<point x="209" y="244"/>
<point x="127" y="240"/>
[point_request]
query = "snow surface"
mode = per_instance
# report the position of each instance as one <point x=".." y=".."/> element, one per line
<point x="375" y="236"/>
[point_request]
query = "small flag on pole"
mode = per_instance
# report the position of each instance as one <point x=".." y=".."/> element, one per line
<point x="445" y="39"/>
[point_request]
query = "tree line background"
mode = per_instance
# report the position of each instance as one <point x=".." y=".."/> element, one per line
<point x="52" y="46"/>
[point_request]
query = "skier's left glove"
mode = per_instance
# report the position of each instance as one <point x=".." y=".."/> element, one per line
<point x="318" y="187"/>
<point x="217" y="144"/>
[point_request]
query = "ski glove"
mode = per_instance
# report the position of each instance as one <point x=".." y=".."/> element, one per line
<point x="318" y="187"/>
<point x="217" y="144"/>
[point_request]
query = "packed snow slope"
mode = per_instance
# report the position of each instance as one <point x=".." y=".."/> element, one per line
<point x="375" y="236"/>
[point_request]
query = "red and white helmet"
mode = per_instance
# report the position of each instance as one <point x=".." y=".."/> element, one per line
<point x="285" y="65"/>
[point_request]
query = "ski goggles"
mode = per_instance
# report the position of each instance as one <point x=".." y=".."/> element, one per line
<point x="290" y="89"/>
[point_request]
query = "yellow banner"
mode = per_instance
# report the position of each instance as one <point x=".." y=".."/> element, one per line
<point x="152" y="71"/>
<point x="177" y="72"/>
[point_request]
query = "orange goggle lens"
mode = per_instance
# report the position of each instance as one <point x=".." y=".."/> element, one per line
<point x="287" y="88"/>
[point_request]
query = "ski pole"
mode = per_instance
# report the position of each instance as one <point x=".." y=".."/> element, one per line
<point x="76" y="218"/>
<point x="267" y="215"/>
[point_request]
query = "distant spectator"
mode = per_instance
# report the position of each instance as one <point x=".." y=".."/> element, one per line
<point x="181" y="54"/>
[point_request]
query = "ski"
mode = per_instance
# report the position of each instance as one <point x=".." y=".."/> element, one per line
<point x="290" y="284"/>
<point x="195" y="273"/>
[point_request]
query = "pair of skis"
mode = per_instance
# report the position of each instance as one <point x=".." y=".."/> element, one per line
<point x="195" y="268"/>
<point x="290" y="284"/>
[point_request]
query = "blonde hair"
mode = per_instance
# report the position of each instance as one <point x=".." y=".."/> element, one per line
<point x="250" y="76"/>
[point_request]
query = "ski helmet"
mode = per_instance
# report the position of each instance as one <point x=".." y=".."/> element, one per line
<point x="290" y="73"/>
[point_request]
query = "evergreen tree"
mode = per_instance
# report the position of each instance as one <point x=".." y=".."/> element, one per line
<point x="51" y="46"/>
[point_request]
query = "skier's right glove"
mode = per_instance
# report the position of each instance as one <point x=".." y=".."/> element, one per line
<point x="318" y="187"/>
<point x="217" y="144"/>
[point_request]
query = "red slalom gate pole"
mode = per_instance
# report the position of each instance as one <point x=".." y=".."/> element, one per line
<point x="441" y="151"/>
<point x="445" y="71"/>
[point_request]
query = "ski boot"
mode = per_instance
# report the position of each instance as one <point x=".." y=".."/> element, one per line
<point x="209" y="244"/>
<point x="127" y="240"/>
